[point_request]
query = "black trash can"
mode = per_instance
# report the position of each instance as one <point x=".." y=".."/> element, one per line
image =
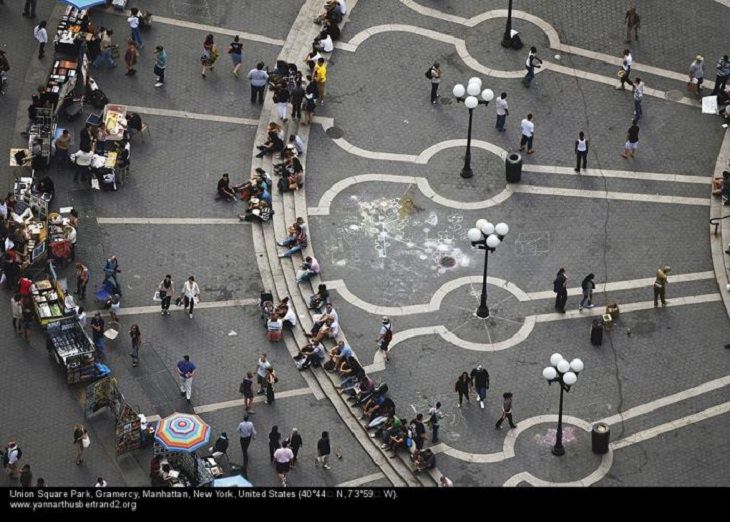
<point x="513" y="166"/>
<point x="597" y="332"/>
<point x="600" y="436"/>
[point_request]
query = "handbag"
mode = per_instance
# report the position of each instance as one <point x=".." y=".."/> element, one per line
<point x="86" y="441"/>
<point x="241" y="388"/>
<point x="157" y="297"/>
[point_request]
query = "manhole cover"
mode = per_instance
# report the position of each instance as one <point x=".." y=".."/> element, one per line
<point x="446" y="101"/>
<point x="335" y="132"/>
<point x="447" y="262"/>
<point x="674" y="95"/>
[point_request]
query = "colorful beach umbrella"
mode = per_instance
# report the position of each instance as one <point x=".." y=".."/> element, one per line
<point x="84" y="4"/>
<point x="182" y="432"/>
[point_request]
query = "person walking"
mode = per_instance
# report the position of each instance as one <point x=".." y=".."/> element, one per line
<point x="281" y="100"/>
<point x="41" y="36"/>
<point x="581" y="152"/>
<point x="26" y="477"/>
<point x="419" y="431"/>
<point x="587" y="285"/>
<point x="185" y="372"/>
<point x="462" y="388"/>
<point x="105" y="38"/>
<point x="323" y="451"/>
<point x="29" y="8"/>
<point x="283" y="457"/>
<point x="532" y="63"/>
<point x="235" y="49"/>
<point x="386" y="336"/>
<point x="262" y="371"/>
<point x="81" y="441"/>
<point x="136" y="337"/>
<point x="274" y="441"/>
<point x="130" y="58"/>
<point x="246" y="389"/>
<point x="722" y="74"/>
<point x="295" y="443"/>
<point x="528" y="133"/>
<point x="28" y="318"/>
<point x="480" y="378"/>
<point x="632" y="140"/>
<point x="209" y="55"/>
<point x="502" y="111"/>
<point x="506" y="411"/>
<point x="11" y="459"/>
<point x="259" y="79"/>
<point x="660" y="285"/>
<point x="111" y="269"/>
<point x="434" y="74"/>
<point x="246" y="433"/>
<point x="133" y="22"/>
<point x="100" y="483"/>
<point x="626" y="62"/>
<point x="160" y="65"/>
<point x="269" y="382"/>
<point x="97" y="334"/>
<point x="191" y="295"/>
<point x="638" y="95"/>
<point x="16" y="308"/>
<point x="297" y="99"/>
<point x="434" y="415"/>
<point x="319" y="75"/>
<point x="696" y="75"/>
<point x="166" y="291"/>
<point x="633" y="22"/>
<point x="560" y="287"/>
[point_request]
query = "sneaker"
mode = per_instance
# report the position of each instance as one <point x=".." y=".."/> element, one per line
<point x="458" y="405"/>
<point x="182" y="394"/>
<point x="159" y="84"/>
<point x="326" y="466"/>
<point x="481" y="403"/>
<point x="191" y="316"/>
<point x="580" y="308"/>
<point x="591" y="305"/>
<point x="383" y="446"/>
<point x="162" y="312"/>
<point x="188" y="401"/>
<point x="577" y="170"/>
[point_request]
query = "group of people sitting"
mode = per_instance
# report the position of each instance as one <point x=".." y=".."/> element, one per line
<point x="721" y="187"/>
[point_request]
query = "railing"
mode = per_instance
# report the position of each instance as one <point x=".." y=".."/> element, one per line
<point x="716" y="222"/>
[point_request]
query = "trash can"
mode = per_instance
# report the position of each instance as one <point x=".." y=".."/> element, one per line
<point x="600" y="436"/>
<point x="513" y="166"/>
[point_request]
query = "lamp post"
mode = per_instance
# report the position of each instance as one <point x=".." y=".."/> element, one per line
<point x="566" y="374"/>
<point x="507" y="38"/>
<point x="486" y="236"/>
<point x="468" y="95"/>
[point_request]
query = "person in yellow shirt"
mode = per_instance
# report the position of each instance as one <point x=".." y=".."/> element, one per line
<point x="660" y="285"/>
<point x="320" y="78"/>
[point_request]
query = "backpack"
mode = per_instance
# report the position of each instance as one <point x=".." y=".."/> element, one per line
<point x="429" y="73"/>
<point x="388" y="334"/>
<point x="556" y="285"/>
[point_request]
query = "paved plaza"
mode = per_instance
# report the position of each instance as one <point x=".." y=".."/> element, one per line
<point x="388" y="216"/>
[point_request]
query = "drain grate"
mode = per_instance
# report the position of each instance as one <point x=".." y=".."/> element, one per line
<point x="335" y="132"/>
<point x="674" y="95"/>
<point x="447" y="262"/>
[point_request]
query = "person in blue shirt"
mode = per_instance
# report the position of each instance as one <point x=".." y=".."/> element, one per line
<point x="111" y="269"/>
<point x="160" y="65"/>
<point x="186" y="370"/>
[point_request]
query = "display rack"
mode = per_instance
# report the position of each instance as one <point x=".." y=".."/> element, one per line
<point x="73" y="350"/>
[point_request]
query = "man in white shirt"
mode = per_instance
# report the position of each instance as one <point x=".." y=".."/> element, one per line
<point x="263" y="368"/>
<point x="133" y="22"/>
<point x="626" y="69"/>
<point x="41" y="35"/>
<point x="324" y="43"/>
<point x="13" y="456"/>
<point x="502" y="111"/>
<point x="283" y="457"/>
<point x="528" y="130"/>
<point x="82" y="159"/>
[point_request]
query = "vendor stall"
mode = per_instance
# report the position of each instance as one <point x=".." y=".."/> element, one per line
<point x="177" y="438"/>
<point x="73" y="350"/>
<point x="50" y="303"/>
<point x="40" y="137"/>
<point x="114" y="122"/>
<point x="72" y="30"/>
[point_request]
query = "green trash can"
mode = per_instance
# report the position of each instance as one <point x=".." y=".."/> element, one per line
<point x="513" y="167"/>
<point x="600" y="436"/>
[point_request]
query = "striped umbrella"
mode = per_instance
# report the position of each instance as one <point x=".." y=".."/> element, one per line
<point x="84" y="4"/>
<point x="182" y="432"/>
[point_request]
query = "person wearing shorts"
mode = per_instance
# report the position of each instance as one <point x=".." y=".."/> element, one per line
<point x="283" y="457"/>
<point x="632" y="141"/>
<point x="386" y="335"/>
<point x="261" y="373"/>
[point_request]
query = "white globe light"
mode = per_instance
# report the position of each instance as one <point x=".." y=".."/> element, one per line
<point x="488" y="95"/>
<point x="487" y="229"/>
<point x="549" y="373"/>
<point x="459" y="90"/>
<point x="555" y="359"/>
<point x="473" y="89"/>
<point x="480" y="223"/>
<point x="476" y="80"/>
<point x="493" y="241"/>
<point x="563" y="366"/>
<point x="501" y="229"/>
<point x="471" y="102"/>
<point x="570" y="378"/>
<point x="474" y="234"/>
<point x="576" y="365"/>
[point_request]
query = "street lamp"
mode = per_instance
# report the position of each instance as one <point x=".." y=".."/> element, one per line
<point x="507" y="38"/>
<point x="468" y="95"/>
<point x="566" y="374"/>
<point x="486" y="236"/>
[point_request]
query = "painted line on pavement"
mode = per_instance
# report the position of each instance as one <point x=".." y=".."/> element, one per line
<point x="259" y="398"/>
<point x="601" y="194"/>
<point x="155" y="309"/>
<point x="169" y="221"/>
<point x="192" y="115"/>
<point x="362" y="480"/>
<point x="208" y="29"/>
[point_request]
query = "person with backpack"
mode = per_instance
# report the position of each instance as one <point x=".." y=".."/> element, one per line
<point x="480" y="377"/>
<point x="386" y="336"/>
<point x="560" y="287"/>
<point x="434" y="74"/>
<point x="434" y="415"/>
<point x="587" y="285"/>
<point x="11" y="457"/>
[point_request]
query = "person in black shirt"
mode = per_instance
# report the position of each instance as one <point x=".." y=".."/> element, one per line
<point x="236" y="51"/>
<point x="323" y="451"/>
<point x="632" y="141"/>
<point x="419" y="431"/>
<point x="560" y="287"/>
<point x="274" y="441"/>
<point x="97" y="331"/>
<point x="221" y="444"/>
<point x="224" y="189"/>
<point x="480" y="378"/>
